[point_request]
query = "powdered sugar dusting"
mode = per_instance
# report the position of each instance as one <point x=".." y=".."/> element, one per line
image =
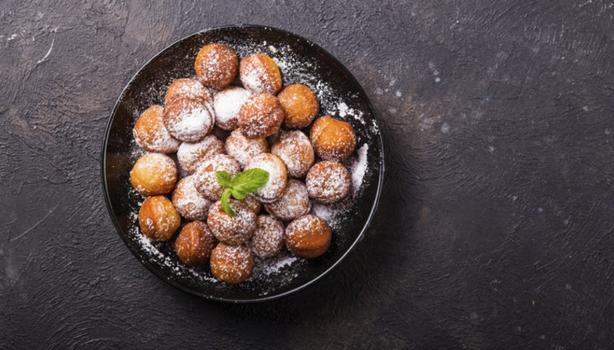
<point x="151" y="248"/>
<point x="227" y="105"/>
<point x="244" y="149"/>
<point x="359" y="168"/>
<point x="190" y="155"/>
<point x="277" y="265"/>
<point x="193" y="121"/>
<point x="328" y="181"/>
<point x="268" y="239"/>
<point x="188" y="201"/>
<point x="278" y="177"/>
<point x="334" y="214"/>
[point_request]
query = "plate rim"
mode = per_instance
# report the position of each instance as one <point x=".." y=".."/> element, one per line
<point x="359" y="237"/>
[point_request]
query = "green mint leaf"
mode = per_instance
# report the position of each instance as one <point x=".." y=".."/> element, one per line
<point x="238" y="194"/>
<point x="249" y="181"/>
<point x="226" y="203"/>
<point x="224" y="178"/>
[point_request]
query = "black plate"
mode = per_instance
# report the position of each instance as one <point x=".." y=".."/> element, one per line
<point x="300" y="61"/>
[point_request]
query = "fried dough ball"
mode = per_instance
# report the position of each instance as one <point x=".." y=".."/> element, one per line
<point x="216" y="65"/>
<point x="206" y="179"/>
<point x="268" y="239"/>
<point x="294" y="148"/>
<point x="261" y="116"/>
<point x="308" y="236"/>
<point x="232" y="230"/>
<point x="151" y="134"/>
<point x="188" y="201"/>
<point x="259" y="73"/>
<point x="153" y="173"/>
<point x="278" y="177"/>
<point x="231" y="264"/>
<point x="186" y="88"/>
<point x="227" y="105"/>
<point x="332" y="139"/>
<point x="194" y="244"/>
<point x="292" y="204"/>
<point x="300" y="104"/>
<point x="328" y="182"/>
<point x="244" y="149"/>
<point x="190" y="155"/>
<point x="253" y="204"/>
<point x="189" y="119"/>
<point x="158" y="219"/>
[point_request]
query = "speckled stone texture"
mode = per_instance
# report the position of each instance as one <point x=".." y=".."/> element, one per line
<point x="496" y="229"/>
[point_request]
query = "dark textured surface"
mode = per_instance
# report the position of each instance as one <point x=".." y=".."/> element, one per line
<point x="495" y="229"/>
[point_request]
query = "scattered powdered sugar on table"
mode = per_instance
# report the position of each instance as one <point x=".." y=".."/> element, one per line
<point x="359" y="168"/>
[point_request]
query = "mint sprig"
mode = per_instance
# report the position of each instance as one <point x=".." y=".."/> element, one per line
<point x="240" y="186"/>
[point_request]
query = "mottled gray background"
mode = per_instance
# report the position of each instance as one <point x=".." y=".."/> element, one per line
<point x="496" y="225"/>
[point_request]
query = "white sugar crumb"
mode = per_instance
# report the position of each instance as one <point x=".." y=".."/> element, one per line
<point x="277" y="265"/>
<point x="335" y="214"/>
<point x="343" y="109"/>
<point x="359" y="168"/>
<point x="322" y="211"/>
<point x="273" y="49"/>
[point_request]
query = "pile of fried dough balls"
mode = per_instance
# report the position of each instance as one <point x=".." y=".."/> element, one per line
<point x="212" y="123"/>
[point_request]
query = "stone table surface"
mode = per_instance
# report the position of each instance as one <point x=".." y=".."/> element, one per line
<point x="496" y="227"/>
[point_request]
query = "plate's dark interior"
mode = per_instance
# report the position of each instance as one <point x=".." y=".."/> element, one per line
<point x="301" y="61"/>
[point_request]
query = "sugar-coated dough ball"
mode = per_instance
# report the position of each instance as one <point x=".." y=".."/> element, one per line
<point x="216" y="65"/>
<point x="300" y="104"/>
<point x="190" y="155"/>
<point x="205" y="176"/>
<point x="151" y="134"/>
<point x="244" y="149"/>
<point x="278" y="177"/>
<point x="328" y="182"/>
<point x="268" y="239"/>
<point x="158" y="219"/>
<point x="332" y="139"/>
<point x="259" y="73"/>
<point x="153" y="173"/>
<point x="232" y="264"/>
<point x="261" y="116"/>
<point x="189" y="119"/>
<point x="292" y="204"/>
<point x="308" y="236"/>
<point x="294" y="148"/>
<point x="227" y="105"/>
<point x="253" y="204"/>
<point x="186" y="88"/>
<point x="194" y="244"/>
<point x="232" y="230"/>
<point x="188" y="201"/>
